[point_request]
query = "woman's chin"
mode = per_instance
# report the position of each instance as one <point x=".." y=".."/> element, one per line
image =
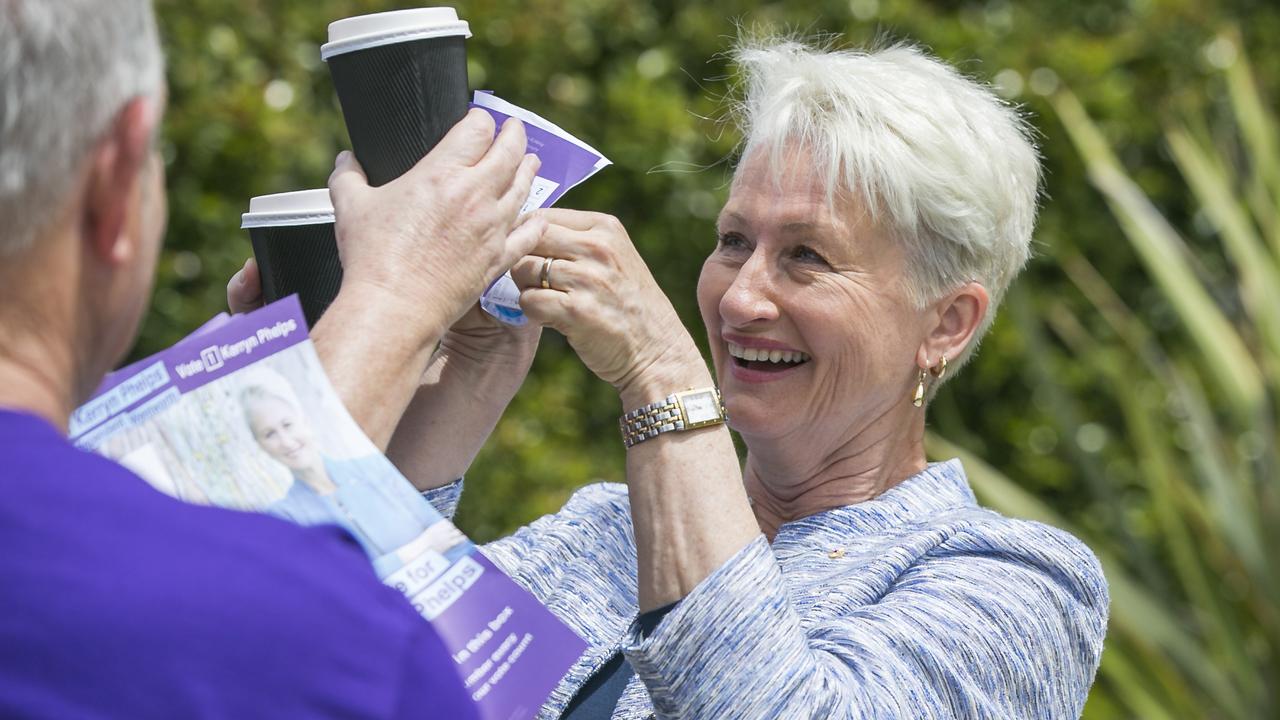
<point x="754" y="420"/>
<point x="298" y="464"/>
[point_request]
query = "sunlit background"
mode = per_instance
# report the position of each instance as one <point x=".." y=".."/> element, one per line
<point x="1128" y="391"/>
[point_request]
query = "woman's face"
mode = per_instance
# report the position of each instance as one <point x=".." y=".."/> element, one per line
<point x="282" y="433"/>
<point x="821" y="291"/>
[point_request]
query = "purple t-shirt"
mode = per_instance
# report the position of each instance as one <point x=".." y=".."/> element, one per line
<point x="117" y="600"/>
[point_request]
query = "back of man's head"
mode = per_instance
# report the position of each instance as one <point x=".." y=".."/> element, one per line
<point x="67" y="67"/>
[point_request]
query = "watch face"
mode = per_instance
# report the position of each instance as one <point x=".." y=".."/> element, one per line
<point x="700" y="407"/>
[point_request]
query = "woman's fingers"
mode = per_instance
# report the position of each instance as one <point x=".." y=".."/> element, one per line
<point x="522" y="240"/>
<point x="550" y="308"/>
<point x="525" y="272"/>
<point x="562" y="275"/>
<point x="574" y="219"/>
<point x="564" y="242"/>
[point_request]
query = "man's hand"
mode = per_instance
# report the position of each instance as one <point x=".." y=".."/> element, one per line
<point x="244" y="290"/>
<point x="416" y="254"/>
<point x="435" y="237"/>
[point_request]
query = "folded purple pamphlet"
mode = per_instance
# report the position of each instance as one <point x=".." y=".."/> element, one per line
<point x="205" y="421"/>
<point x="566" y="162"/>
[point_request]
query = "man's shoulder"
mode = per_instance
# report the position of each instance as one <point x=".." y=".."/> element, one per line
<point x="91" y="518"/>
<point x="184" y="599"/>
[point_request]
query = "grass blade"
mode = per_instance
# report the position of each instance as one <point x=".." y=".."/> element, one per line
<point x="1164" y="254"/>
<point x="1260" y="280"/>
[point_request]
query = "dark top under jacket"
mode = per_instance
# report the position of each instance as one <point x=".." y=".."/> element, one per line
<point x="599" y="697"/>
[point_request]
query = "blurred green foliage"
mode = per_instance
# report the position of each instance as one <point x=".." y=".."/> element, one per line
<point x="1128" y="389"/>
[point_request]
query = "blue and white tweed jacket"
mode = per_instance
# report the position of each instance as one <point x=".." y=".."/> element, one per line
<point x="917" y="604"/>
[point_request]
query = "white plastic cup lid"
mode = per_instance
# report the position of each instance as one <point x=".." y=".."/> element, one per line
<point x="368" y="31"/>
<point x="304" y="207"/>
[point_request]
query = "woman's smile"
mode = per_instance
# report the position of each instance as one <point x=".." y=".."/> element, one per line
<point x="760" y="360"/>
<point x="295" y="453"/>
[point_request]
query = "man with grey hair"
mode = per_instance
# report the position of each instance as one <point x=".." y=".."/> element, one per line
<point x="116" y="600"/>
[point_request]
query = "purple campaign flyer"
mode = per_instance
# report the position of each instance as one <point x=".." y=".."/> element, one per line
<point x="509" y="650"/>
<point x="566" y="162"/>
<point x="191" y="421"/>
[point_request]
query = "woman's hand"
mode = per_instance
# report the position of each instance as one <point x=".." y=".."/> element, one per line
<point x="479" y="338"/>
<point x="480" y="365"/>
<point x="688" y="505"/>
<point x="604" y="300"/>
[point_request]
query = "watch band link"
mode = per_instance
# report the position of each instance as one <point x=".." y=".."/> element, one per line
<point x="667" y="415"/>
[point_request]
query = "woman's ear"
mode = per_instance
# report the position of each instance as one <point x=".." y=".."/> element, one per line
<point x="957" y="317"/>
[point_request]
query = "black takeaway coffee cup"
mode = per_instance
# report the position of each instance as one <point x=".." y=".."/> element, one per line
<point x="296" y="248"/>
<point x="401" y="78"/>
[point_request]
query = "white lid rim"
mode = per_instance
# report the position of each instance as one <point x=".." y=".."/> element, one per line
<point x="284" y="219"/>
<point x="378" y="39"/>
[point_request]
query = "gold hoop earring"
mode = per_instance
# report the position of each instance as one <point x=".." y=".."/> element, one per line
<point x="918" y="400"/>
<point x="941" y="371"/>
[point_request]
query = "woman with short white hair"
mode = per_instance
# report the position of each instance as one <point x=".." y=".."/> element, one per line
<point x="881" y="207"/>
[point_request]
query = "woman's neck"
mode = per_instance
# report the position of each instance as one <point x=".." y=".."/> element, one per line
<point x="316" y="478"/>
<point x="789" y="478"/>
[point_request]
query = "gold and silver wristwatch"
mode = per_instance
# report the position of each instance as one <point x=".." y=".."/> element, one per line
<point x="679" y="411"/>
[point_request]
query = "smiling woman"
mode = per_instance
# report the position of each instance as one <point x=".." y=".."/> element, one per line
<point x="362" y="494"/>
<point x="803" y="272"/>
<point x="882" y="206"/>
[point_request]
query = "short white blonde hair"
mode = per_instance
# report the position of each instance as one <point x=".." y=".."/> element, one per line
<point x="67" y="67"/>
<point x="934" y="157"/>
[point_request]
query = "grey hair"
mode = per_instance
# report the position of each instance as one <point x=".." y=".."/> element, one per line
<point x="936" y="158"/>
<point x="257" y="391"/>
<point x="67" y="67"/>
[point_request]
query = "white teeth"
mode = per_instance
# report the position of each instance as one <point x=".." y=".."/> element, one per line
<point x="762" y="355"/>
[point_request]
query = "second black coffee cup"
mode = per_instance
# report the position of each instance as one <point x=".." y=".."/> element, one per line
<point x="296" y="248"/>
<point x="401" y="78"/>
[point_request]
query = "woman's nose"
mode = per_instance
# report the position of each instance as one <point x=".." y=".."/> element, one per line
<point x="749" y="298"/>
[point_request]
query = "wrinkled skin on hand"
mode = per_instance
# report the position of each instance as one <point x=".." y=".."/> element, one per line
<point x="607" y="304"/>
<point x="440" y="233"/>
<point x="436" y="236"/>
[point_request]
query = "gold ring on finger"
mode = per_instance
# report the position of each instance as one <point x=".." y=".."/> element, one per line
<point x="544" y="277"/>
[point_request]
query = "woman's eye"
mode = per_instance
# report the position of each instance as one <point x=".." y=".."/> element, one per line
<point x="807" y="254"/>
<point x="732" y="240"/>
